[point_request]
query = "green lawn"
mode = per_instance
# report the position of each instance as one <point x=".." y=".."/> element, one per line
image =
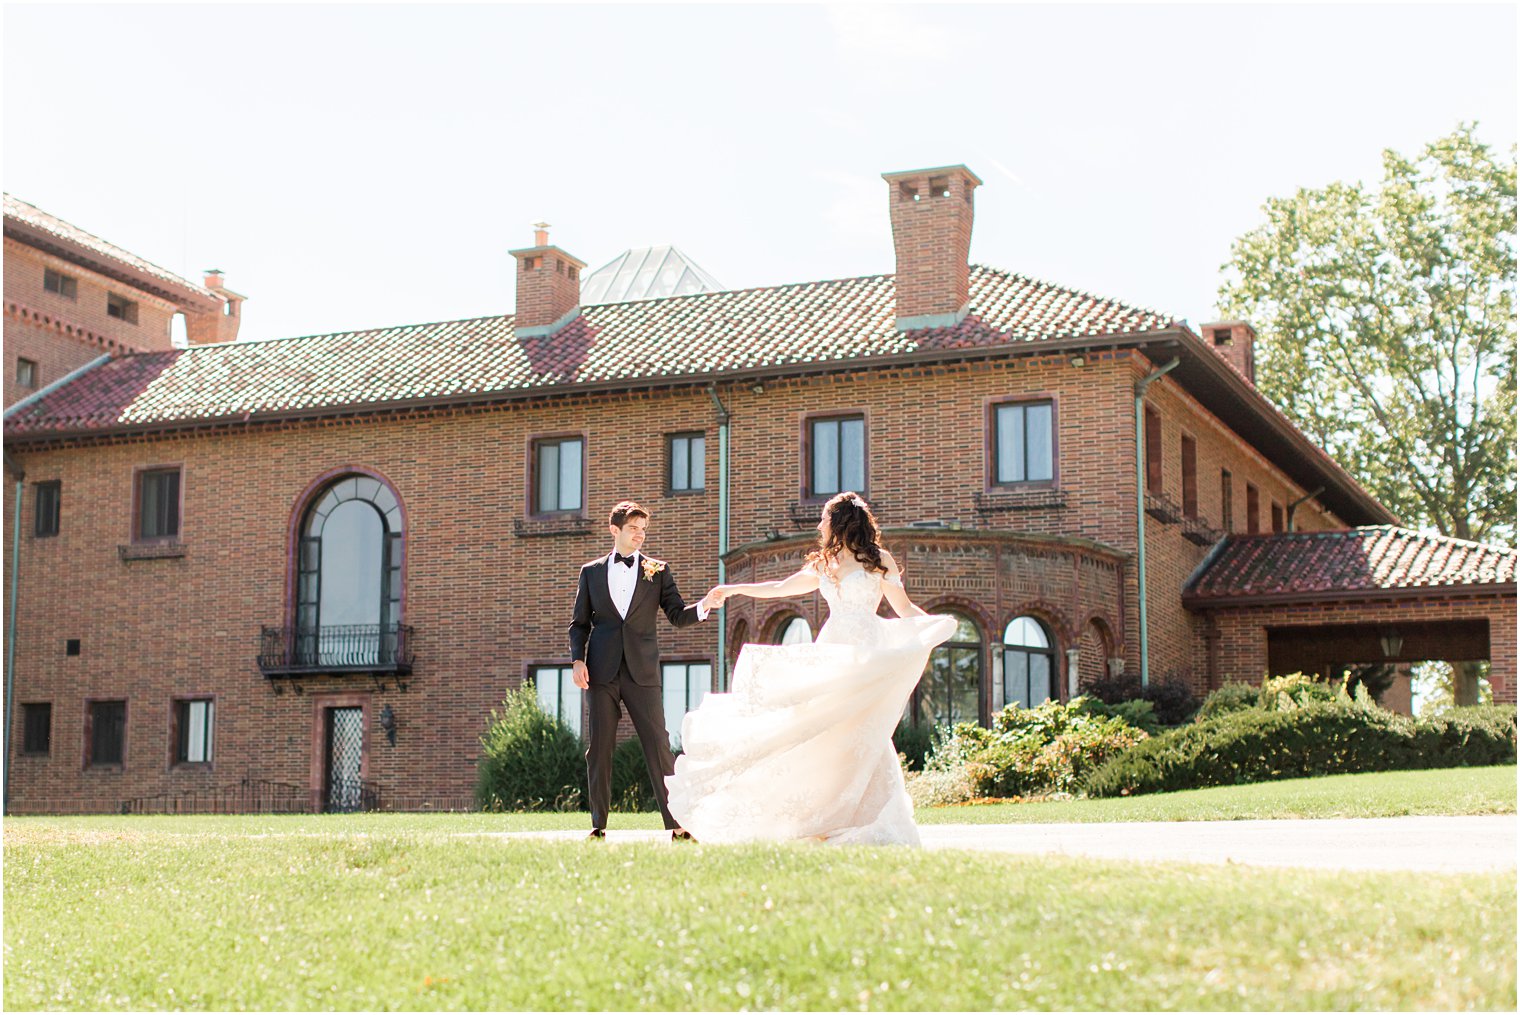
<point x="1380" y="794"/>
<point x="402" y="911"/>
<point x="125" y="916"/>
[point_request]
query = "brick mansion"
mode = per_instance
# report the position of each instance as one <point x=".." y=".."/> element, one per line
<point x="317" y="563"/>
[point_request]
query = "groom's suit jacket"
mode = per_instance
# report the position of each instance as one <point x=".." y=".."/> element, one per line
<point x="604" y="638"/>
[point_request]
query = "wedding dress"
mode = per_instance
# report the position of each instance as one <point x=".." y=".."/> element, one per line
<point x="801" y="747"/>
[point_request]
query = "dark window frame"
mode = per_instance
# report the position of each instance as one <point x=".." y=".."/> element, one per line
<point x="139" y="477"/>
<point x="1188" y="451"/>
<point x="540" y="440"/>
<point x="1253" y="509"/>
<point x="1279" y="518"/>
<point x="30" y="367"/>
<point x="178" y="730"/>
<point x="1050" y="653"/>
<point x="66" y="287"/>
<point x="1155" y="477"/>
<point x="991" y="448"/>
<point x="670" y="464"/>
<point x="530" y="675"/>
<point x="120" y="308"/>
<point x="808" y="494"/>
<point x="686" y="663"/>
<point x="47" y="508"/>
<point x="1226" y="500"/>
<point x="89" y="733"/>
<point x="28" y="727"/>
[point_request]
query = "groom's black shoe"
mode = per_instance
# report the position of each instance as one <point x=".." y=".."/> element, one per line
<point x="596" y="833"/>
<point x="682" y="835"/>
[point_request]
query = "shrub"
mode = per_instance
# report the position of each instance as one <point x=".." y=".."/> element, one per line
<point x="1291" y="740"/>
<point x="1232" y="697"/>
<point x="528" y="760"/>
<point x="939" y="788"/>
<point x="1173" y="700"/>
<point x="1030" y="751"/>
<point x="1138" y="712"/>
<point x="913" y="743"/>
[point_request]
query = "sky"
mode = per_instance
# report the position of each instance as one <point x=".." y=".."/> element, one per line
<point x="353" y="166"/>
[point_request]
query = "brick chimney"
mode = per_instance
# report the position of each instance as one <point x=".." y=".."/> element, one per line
<point x="931" y="232"/>
<point x="548" y="286"/>
<point x="214" y="326"/>
<point x="1235" y="341"/>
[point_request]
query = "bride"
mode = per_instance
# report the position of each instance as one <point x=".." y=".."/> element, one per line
<point x="801" y="748"/>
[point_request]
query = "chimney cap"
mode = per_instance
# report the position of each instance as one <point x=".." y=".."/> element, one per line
<point x="906" y="173"/>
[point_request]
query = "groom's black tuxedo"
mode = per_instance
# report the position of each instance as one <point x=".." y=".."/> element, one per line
<point x="605" y="638"/>
<point x="622" y="656"/>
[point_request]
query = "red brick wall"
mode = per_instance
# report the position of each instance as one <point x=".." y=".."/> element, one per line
<point x="486" y="602"/>
<point x="932" y="240"/>
<point x="1242" y="632"/>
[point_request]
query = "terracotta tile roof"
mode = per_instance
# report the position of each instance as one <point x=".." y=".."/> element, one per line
<point x="19" y="211"/>
<point x="1371" y="559"/>
<point x="705" y="333"/>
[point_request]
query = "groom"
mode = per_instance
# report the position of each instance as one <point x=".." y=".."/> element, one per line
<point x="616" y="657"/>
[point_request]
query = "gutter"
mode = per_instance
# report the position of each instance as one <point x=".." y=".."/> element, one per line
<point x="723" y="487"/>
<point x="1449" y="591"/>
<point x="1294" y="506"/>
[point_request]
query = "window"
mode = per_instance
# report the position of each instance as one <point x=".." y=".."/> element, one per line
<point x="1152" y="450"/>
<point x="1277" y="517"/>
<point x="38" y="721"/>
<point x="122" y="308"/>
<point x="158" y="505"/>
<point x="1028" y="662"/>
<point x="56" y="282"/>
<point x="557" y="474"/>
<point x="688" y="462"/>
<point x="1189" y="477"/>
<point x="106" y="732"/>
<point x="951" y="688"/>
<point x="1253" y="510"/>
<point x="1023" y="443"/>
<point x="795" y="632"/>
<point x="48" y="496"/>
<point x="686" y="684"/>
<point x="837" y="453"/>
<point x="348" y="575"/>
<point x="26" y="372"/>
<point x="1226" y="500"/>
<point x="192" y="733"/>
<point x="558" y="696"/>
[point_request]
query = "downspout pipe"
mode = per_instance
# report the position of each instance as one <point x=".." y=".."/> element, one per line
<point x="1140" y="389"/>
<point x="723" y="417"/>
<point x="1294" y="506"/>
<point x="13" y="467"/>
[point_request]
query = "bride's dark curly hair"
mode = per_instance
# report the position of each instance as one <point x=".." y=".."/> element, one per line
<point x="852" y="529"/>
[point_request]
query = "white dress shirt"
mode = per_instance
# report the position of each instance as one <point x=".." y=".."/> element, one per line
<point x="622" y="580"/>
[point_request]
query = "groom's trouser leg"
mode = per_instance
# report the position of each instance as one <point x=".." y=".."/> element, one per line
<point x="646" y="707"/>
<point x="601" y="736"/>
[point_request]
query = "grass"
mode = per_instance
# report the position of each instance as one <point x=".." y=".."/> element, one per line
<point x="209" y="913"/>
<point x="385" y="911"/>
<point x="1370" y="795"/>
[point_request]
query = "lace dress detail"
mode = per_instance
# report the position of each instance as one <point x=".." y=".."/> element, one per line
<point x="801" y="747"/>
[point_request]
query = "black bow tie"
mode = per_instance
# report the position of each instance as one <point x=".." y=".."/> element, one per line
<point x="618" y="558"/>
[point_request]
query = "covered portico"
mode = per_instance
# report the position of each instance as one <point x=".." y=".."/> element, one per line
<point x="1318" y="602"/>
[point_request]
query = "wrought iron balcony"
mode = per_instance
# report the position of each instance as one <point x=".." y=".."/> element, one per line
<point x="1162" y="508"/>
<point x="1198" y="530"/>
<point x="351" y="648"/>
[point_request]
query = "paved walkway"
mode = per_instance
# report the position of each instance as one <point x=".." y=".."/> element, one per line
<point x="1426" y="843"/>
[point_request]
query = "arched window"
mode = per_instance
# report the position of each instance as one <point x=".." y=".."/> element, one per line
<point x="794" y="632"/>
<point x="951" y="690"/>
<point x="1029" y="660"/>
<point x="348" y="582"/>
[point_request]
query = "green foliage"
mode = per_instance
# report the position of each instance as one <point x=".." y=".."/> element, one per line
<point x="1137" y="712"/>
<point x="1172" y="700"/>
<point x="1387" y="329"/>
<point x="913" y="743"/>
<point x="631" y="790"/>
<point x="1296" y="732"/>
<point x="940" y="787"/>
<point x="1032" y="751"/>
<point x="528" y="760"/>
<point x="1232" y="697"/>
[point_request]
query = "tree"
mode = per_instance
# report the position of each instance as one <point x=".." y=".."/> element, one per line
<point x="1386" y="322"/>
<point x="1387" y="330"/>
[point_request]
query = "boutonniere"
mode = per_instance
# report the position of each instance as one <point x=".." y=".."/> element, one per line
<point x="652" y="567"/>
